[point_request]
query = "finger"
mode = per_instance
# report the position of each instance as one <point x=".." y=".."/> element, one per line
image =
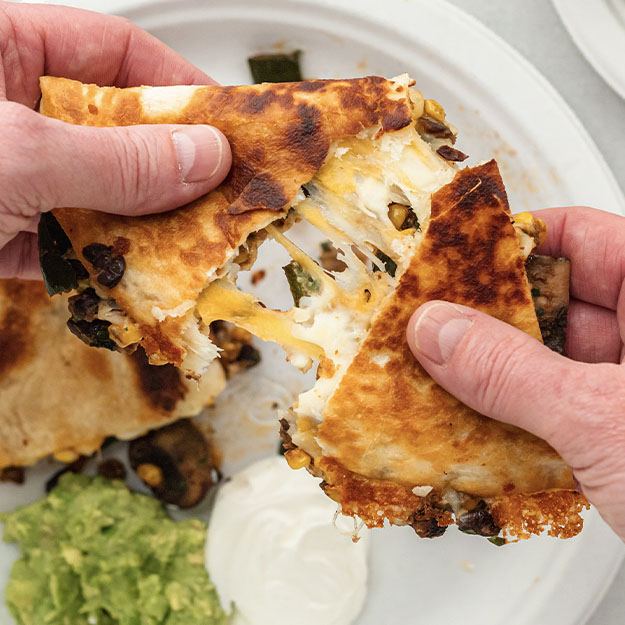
<point x="592" y="334"/>
<point x="19" y="258"/>
<point x="593" y="240"/>
<point x="131" y="170"/>
<point x="86" y="46"/>
<point x="505" y="374"/>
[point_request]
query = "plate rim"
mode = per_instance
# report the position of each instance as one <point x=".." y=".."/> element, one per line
<point x="468" y="22"/>
<point x="581" y="20"/>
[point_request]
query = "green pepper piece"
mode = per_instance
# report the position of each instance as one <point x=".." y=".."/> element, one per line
<point x="389" y="264"/>
<point x="497" y="540"/>
<point x="301" y="283"/>
<point x="59" y="274"/>
<point x="275" y="67"/>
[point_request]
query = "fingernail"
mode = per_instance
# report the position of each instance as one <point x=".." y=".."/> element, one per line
<point x="200" y="152"/>
<point x="438" y="331"/>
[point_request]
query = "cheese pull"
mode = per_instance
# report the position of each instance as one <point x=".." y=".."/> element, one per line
<point x="222" y="301"/>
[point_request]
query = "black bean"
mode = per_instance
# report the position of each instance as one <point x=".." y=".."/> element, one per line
<point x="428" y="528"/>
<point x="451" y="154"/>
<point x="98" y="254"/>
<point x="248" y="355"/>
<point x="411" y="221"/>
<point x="93" y="333"/>
<point x="478" y="521"/>
<point x="435" y="128"/>
<point x="111" y="266"/>
<point x="113" y="273"/>
<point x="84" y="307"/>
<point x="112" y="469"/>
<point x="17" y="475"/>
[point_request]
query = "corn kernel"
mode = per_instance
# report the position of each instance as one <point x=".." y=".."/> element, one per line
<point x="418" y="103"/>
<point x="67" y="456"/>
<point x="297" y="459"/>
<point x="397" y="213"/>
<point x="435" y="110"/>
<point x="524" y="219"/>
<point x="150" y="474"/>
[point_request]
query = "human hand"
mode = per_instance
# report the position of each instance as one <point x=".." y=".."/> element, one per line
<point x="45" y="163"/>
<point x="576" y="404"/>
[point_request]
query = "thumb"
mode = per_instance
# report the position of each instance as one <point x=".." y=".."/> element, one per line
<point x="505" y="374"/>
<point x="128" y="170"/>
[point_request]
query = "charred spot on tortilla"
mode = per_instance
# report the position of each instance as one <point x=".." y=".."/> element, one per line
<point x="163" y="385"/>
<point x="90" y="395"/>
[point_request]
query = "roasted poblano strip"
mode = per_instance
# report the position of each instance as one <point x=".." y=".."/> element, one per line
<point x="300" y="281"/>
<point x="389" y="264"/>
<point x="275" y="67"/>
<point x="59" y="273"/>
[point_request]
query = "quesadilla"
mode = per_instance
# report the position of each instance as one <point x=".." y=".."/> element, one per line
<point x="59" y="397"/>
<point x="371" y="164"/>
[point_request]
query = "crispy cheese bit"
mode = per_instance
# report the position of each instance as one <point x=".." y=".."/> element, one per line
<point x="297" y="459"/>
<point x="66" y="456"/>
<point x="222" y="301"/>
<point x="125" y="335"/>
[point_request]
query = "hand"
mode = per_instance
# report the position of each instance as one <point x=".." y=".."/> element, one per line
<point x="576" y="404"/>
<point x="45" y="163"/>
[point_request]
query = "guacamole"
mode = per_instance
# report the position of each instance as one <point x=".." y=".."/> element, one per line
<point x="93" y="553"/>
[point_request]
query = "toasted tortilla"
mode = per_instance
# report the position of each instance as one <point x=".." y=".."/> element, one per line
<point x="387" y="441"/>
<point x="280" y="135"/>
<point x="389" y="428"/>
<point x="60" y="397"/>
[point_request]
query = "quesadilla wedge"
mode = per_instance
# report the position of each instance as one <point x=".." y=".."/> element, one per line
<point x="59" y="397"/>
<point x="371" y="164"/>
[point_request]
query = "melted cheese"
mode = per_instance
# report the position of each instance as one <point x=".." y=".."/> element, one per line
<point x="348" y="201"/>
<point x="222" y="301"/>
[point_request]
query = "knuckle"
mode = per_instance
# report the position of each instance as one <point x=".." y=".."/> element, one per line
<point x="137" y="174"/>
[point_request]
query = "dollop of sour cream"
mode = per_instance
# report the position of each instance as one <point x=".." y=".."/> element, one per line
<point x="274" y="552"/>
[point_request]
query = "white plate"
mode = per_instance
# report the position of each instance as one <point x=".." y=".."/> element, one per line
<point x="503" y="108"/>
<point x="598" y="29"/>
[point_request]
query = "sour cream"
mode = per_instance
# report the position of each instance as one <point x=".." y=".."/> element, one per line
<point x="274" y="552"/>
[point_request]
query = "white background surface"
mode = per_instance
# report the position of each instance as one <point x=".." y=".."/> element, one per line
<point x="533" y="28"/>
